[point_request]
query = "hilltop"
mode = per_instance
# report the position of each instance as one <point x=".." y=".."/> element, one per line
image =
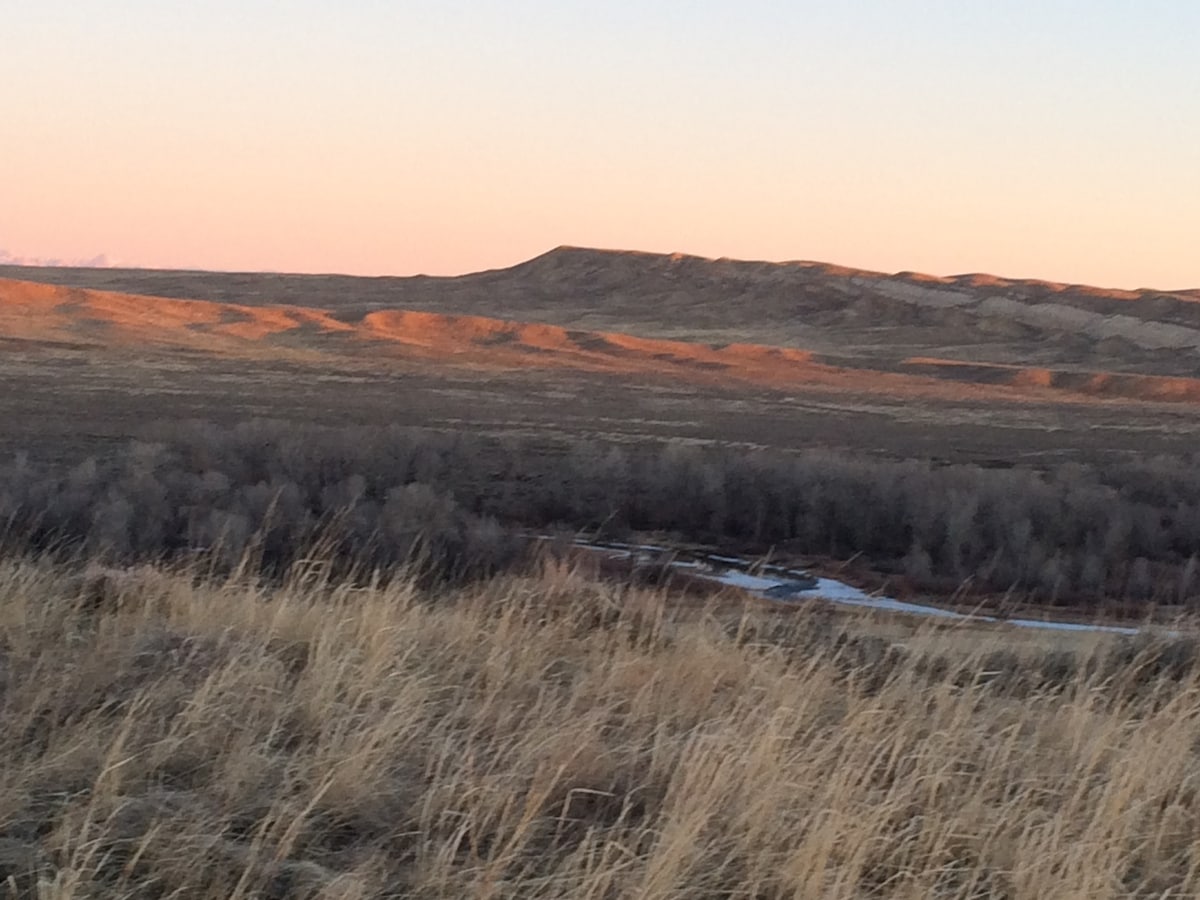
<point x="862" y="315"/>
<point x="615" y="345"/>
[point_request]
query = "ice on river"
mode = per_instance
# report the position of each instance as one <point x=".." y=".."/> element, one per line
<point x="781" y="583"/>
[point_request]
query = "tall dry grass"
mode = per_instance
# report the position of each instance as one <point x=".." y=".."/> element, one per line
<point x="162" y="736"/>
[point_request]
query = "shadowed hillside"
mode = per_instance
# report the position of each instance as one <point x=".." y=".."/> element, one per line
<point x="47" y="314"/>
<point x="618" y="346"/>
<point x="867" y="316"/>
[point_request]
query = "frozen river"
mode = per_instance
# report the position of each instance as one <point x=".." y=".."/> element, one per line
<point x="792" y="585"/>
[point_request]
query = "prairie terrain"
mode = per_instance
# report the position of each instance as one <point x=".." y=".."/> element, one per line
<point x="274" y="626"/>
<point x="166" y="735"/>
<point x="624" y="346"/>
<point x="579" y="351"/>
<point x="812" y="306"/>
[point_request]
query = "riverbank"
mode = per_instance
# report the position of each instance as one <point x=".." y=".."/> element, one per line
<point x="825" y="581"/>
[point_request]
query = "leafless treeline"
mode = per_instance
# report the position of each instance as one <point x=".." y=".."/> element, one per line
<point x="382" y="495"/>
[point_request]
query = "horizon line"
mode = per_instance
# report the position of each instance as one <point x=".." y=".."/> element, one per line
<point x="674" y="256"/>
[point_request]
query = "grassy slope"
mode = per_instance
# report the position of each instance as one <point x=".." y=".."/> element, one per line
<point x="546" y="737"/>
<point x="82" y="370"/>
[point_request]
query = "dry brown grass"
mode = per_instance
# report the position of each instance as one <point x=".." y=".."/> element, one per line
<point x="49" y="315"/>
<point x="547" y="737"/>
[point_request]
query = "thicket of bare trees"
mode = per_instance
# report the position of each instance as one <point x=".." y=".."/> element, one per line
<point x="381" y="495"/>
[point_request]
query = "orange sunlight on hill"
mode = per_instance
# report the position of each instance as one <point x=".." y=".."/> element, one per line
<point x="103" y="319"/>
<point x="1114" y="385"/>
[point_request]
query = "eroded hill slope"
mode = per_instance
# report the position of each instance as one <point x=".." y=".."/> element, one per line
<point x="48" y="314"/>
<point x="868" y="317"/>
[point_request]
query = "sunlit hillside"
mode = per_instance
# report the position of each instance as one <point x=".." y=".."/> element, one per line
<point x="49" y="315"/>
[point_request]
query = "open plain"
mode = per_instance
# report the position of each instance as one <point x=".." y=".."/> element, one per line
<point x="622" y="346"/>
<point x="227" y="672"/>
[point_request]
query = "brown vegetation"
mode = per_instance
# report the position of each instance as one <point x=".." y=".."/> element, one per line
<point x="216" y="681"/>
<point x="622" y="347"/>
<point x="169" y="736"/>
<point x="873" y="318"/>
<point x="1091" y="537"/>
<point x="1154" y="388"/>
<point x="40" y="313"/>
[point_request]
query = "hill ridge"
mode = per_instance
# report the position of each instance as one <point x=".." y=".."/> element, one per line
<point x="54" y="274"/>
<point x="46" y="314"/>
<point x="874" y="318"/>
<point x="974" y="279"/>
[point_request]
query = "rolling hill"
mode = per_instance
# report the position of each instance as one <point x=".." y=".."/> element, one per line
<point x="618" y="345"/>
<point x="861" y="315"/>
<point x="50" y="314"/>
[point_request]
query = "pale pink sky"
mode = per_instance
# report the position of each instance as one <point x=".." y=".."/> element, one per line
<point x="1055" y="140"/>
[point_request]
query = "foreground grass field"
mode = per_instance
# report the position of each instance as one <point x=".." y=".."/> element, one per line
<point x="163" y="735"/>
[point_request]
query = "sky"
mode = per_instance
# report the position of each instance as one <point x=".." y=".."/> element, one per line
<point x="1055" y="139"/>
